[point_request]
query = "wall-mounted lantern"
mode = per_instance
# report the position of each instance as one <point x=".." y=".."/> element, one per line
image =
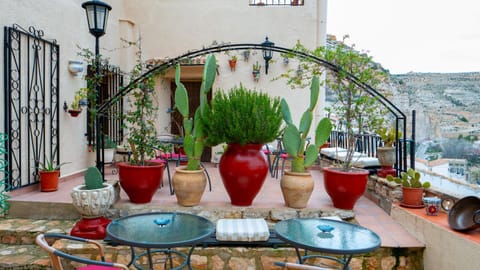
<point x="267" y="52"/>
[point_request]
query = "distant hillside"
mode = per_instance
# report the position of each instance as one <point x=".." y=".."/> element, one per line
<point x="447" y="104"/>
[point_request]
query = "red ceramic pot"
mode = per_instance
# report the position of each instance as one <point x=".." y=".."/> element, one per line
<point x="140" y="182"/>
<point x="345" y="187"/>
<point x="243" y="169"/>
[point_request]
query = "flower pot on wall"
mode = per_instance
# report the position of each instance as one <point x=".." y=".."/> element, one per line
<point x="49" y="180"/>
<point x="297" y="188"/>
<point x="232" y="64"/>
<point x="189" y="185"/>
<point x="386" y="158"/>
<point x="74" y="113"/>
<point x="412" y="197"/>
<point x="243" y="169"/>
<point x="140" y="182"/>
<point x="345" y="188"/>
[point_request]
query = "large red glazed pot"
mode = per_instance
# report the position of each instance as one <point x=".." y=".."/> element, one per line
<point x="140" y="182"/>
<point x="345" y="188"/>
<point x="243" y="169"/>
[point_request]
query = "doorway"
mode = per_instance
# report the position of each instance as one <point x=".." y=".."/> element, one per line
<point x="176" y="120"/>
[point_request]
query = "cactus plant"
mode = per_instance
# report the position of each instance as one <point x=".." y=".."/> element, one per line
<point x="411" y="178"/>
<point x="93" y="178"/>
<point x="194" y="139"/>
<point x="294" y="139"/>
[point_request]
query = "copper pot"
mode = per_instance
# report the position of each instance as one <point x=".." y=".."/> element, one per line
<point x="465" y="214"/>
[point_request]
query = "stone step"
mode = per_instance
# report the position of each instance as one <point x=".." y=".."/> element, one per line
<point x="15" y="231"/>
<point x="23" y="257"/>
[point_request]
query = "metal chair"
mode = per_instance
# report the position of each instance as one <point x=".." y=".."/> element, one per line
<point x="288" y="265"/>
<point x="57" y="256"/>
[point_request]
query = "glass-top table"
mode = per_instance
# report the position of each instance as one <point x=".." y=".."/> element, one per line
<point x="161" y="231"/>
<point x="327" y="236"/>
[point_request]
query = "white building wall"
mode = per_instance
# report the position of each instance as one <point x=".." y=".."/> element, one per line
<point x="168" y="28"/>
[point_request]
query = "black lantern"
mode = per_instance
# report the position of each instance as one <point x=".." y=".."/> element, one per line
<point x="267" y="52"/>
<point x="97" y="16"/>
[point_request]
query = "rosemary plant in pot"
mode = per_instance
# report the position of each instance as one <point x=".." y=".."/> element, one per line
<point x="189" y="181"/>
<point x="139" y="177"/>
<point x="297" y="185"/>
<point x="244" y="119"/>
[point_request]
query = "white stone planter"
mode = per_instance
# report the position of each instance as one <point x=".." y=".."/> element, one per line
<point x="93" y="203"/>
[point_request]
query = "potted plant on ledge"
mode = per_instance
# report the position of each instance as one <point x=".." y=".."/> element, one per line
<point x="387" y="155"/>
<point x="189" y="181"/>
<point x="245" y="120"/>
<point x="297" y="185"/>
<point x="412" y="188"/>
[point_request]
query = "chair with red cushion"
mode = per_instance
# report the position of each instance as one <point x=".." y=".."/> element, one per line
<point x="57" y="256"/>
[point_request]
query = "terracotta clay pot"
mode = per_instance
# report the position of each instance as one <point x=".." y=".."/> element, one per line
<point x="297" y="188"/>
<point x="243" y="169"/>
<point x="412" y="197"/>
<point x="140" y="182"/>
<point x="345" y="187"/>
<point x="189" y="185"/>
<point x="49" y="180"/>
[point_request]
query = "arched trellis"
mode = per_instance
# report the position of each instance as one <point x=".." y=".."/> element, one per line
<point x="400" y="118"/>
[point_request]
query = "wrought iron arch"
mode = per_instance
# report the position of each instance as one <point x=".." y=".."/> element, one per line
<point x="400" y="118"/>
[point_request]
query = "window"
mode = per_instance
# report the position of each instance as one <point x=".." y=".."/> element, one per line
<point x="276" y="2"/>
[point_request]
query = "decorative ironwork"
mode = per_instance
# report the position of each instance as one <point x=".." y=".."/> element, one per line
<point x="4" y="186"/>
<point x="400" y="118"/>
<point x="31" y="103"/>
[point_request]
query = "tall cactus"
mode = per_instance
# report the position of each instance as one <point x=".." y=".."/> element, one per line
<point x="294" y="139"/>
<point x="194" y="140"/>
<point x="93" y="178"/>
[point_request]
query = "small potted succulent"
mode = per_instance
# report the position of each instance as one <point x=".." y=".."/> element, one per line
<point x="412" y="188"/>
<point x="256" y="71"/>
<point x="49" y="174"/>
<point x="297" y="185"/>
<point x="92" y="200"/>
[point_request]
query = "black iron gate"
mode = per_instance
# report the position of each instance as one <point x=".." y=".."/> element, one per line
<point x="31" y="66"/>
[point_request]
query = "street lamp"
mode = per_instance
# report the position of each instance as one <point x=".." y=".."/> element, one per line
<point x="97" y="17"/>
<point x="267" y="52"/>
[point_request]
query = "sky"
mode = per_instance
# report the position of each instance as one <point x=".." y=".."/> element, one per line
<point x="411" y="35"/>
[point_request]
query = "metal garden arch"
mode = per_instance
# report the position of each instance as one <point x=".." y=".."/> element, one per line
<point x="400" y="118"/>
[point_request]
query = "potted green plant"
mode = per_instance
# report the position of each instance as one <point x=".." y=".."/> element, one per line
<point x="140" y="177"/>
<point x="386" y="154"/>
<point x="232" y="62"/>
<point x="297" y="185"/>
<point x="354" y="107"/>
<point x="256" y="71"/>
<point x="189" y="181"/>
<point x="412" y="188"/>
<point x="49" y="174"/>
<point x="75" y="109"/>
<point x="92" y="200"/>
<point x="244" y="119"/>
<point x="109" y="148"/>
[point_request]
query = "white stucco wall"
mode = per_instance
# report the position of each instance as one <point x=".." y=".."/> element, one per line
<point x="168" y="28"/>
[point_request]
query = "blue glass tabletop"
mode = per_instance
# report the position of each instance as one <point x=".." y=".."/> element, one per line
<point x="160" y="230"/>
<point x="330" y="236"/>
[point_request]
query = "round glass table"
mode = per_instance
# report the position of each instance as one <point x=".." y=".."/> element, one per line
<point x="162" y="232"/>
<point x="327" y="236"/>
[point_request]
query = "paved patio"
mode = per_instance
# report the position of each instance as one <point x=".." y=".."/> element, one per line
<point x="366" y="212"/>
